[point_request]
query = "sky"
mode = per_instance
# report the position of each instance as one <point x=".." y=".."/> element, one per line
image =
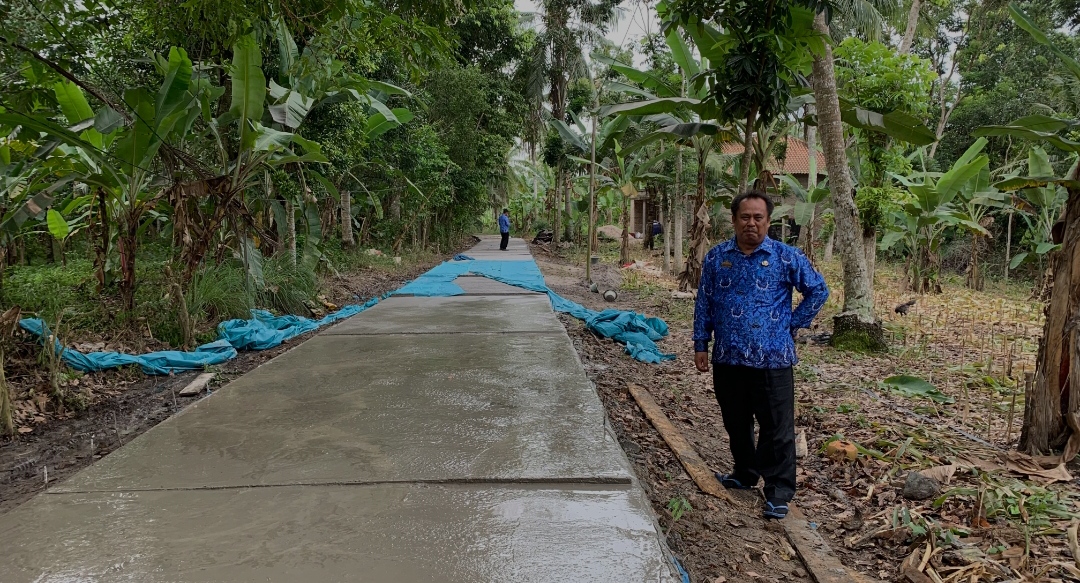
<point x="634" y="21"/>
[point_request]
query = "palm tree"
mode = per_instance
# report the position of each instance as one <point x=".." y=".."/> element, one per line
<point x="857" y="316"/>
<point x="557" y="57"/>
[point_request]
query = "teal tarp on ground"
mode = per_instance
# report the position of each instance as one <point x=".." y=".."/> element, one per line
<point x="634" y="330"/>
<point x="262" y="331"/>
<point x="153" y="363"/>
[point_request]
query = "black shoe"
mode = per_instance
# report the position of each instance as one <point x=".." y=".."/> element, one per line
<point x="728" y="481"/>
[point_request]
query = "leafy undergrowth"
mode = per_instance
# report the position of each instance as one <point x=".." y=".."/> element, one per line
<point x="947" y="399"/>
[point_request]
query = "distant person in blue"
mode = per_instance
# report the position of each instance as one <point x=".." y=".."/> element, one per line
<point x="504" y="228"/>
<point x="744" y="302"/>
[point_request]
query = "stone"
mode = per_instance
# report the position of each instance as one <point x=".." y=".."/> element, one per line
<point x="801" y="449"/>
<point x="842" y="450"/>
<point x="920" y="487"/>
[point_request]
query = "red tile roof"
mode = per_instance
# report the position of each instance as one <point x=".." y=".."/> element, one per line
<point x="796" y="161"/>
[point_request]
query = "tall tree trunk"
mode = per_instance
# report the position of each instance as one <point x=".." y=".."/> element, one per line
<point x="665" y="218"/>
<point x="809" y="233"/>
<point x="829" y="245"/>
<point x="748" y="149"/>
<point x="568" y="191"/>
<point x="699" y="242"/>
<point x="912" y="24"/>
<point x="128" y="241"/>
<point x="395" y="204"/>
<point x="678" y="219"/>
<point x="1008" y="246"/>
<point x="347" y="238"/>
<point x="7" y="424"/>
<point x="869" y="244"/>
<point x="624" y="247"/>
<point x="101" y="245"/>
<point x="556" y="228"/>
<point x="1052" y="408"/>
<point x="290" y="230"/>
<point x="857" y="322"/>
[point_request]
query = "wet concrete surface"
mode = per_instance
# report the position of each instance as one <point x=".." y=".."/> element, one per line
<point x="402" y="533"/>
<point x="480" y="285"/>
<point x="426" y="439"/>
<point x="356" y="409"/>
<point x="517" y="250"/>
<point x="455" y="314"/>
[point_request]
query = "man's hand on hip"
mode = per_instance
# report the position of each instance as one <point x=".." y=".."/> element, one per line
<point x="701" y="361"/>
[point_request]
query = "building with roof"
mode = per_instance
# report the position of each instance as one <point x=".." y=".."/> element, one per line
<point x="794" y="159"/>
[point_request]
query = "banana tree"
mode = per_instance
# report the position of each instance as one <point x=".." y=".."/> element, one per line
<point x="124" y="173"/>
<point x="682" y="116"/>
<point x="582" y="142"/>
<point x="804" y="211"/>
<point x="245" y="149"/>
<point x="31" y="180"/>
<point x="624" y="172"/>
<point x="976" y="200"/>
<point x="307" y="81"/>
<point x="1040" y="207"/>
<point x="1052" y="409"/>
<point x="1051" y="418"/>
<point x="921" y="223"/>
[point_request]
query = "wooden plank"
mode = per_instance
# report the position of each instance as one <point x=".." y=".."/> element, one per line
<point x="821" y="563"/>
<point x="198" y="385"/>
<point x="695" y="466"/>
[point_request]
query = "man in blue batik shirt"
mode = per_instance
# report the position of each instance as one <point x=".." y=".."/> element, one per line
<point x="744" y="301"/>
<point x="504" y="229"/>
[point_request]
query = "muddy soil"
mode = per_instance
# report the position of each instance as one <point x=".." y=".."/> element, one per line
<point x="120" y="405"/>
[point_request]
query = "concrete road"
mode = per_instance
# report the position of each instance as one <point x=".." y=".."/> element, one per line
<point x="426" y="439"/>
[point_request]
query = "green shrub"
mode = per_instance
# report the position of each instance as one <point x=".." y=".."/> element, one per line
<point x="287" y="286"/>
<point x="219" y="293"/>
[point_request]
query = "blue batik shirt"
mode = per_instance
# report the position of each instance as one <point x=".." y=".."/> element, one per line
<point x="745" y="302"/>
<point x="504" y="224"/>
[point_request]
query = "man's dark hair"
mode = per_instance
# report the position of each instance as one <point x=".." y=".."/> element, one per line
<point x="506" y="211"/>
<point x="752" y="194"/>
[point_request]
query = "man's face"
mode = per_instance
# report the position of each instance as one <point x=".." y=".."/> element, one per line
<point x="751" y="222"/>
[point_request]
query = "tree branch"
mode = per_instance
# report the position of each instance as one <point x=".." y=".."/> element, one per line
<point x="67" y="75"/>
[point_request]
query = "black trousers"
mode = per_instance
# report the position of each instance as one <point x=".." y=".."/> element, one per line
<point x="767" y="395"/>
<point x="505" y="241"/>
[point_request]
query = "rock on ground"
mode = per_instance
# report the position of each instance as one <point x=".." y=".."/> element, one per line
<point x="920" y="487"/>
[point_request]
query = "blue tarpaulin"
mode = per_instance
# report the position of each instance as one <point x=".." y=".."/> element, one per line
<point x="153" y="363"/>
<point x="634" y="330"/>
<point x="264" y="330"/>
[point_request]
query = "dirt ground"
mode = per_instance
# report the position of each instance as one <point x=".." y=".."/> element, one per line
<point x="120" y="405"/>
<point x="994" y="516"/>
